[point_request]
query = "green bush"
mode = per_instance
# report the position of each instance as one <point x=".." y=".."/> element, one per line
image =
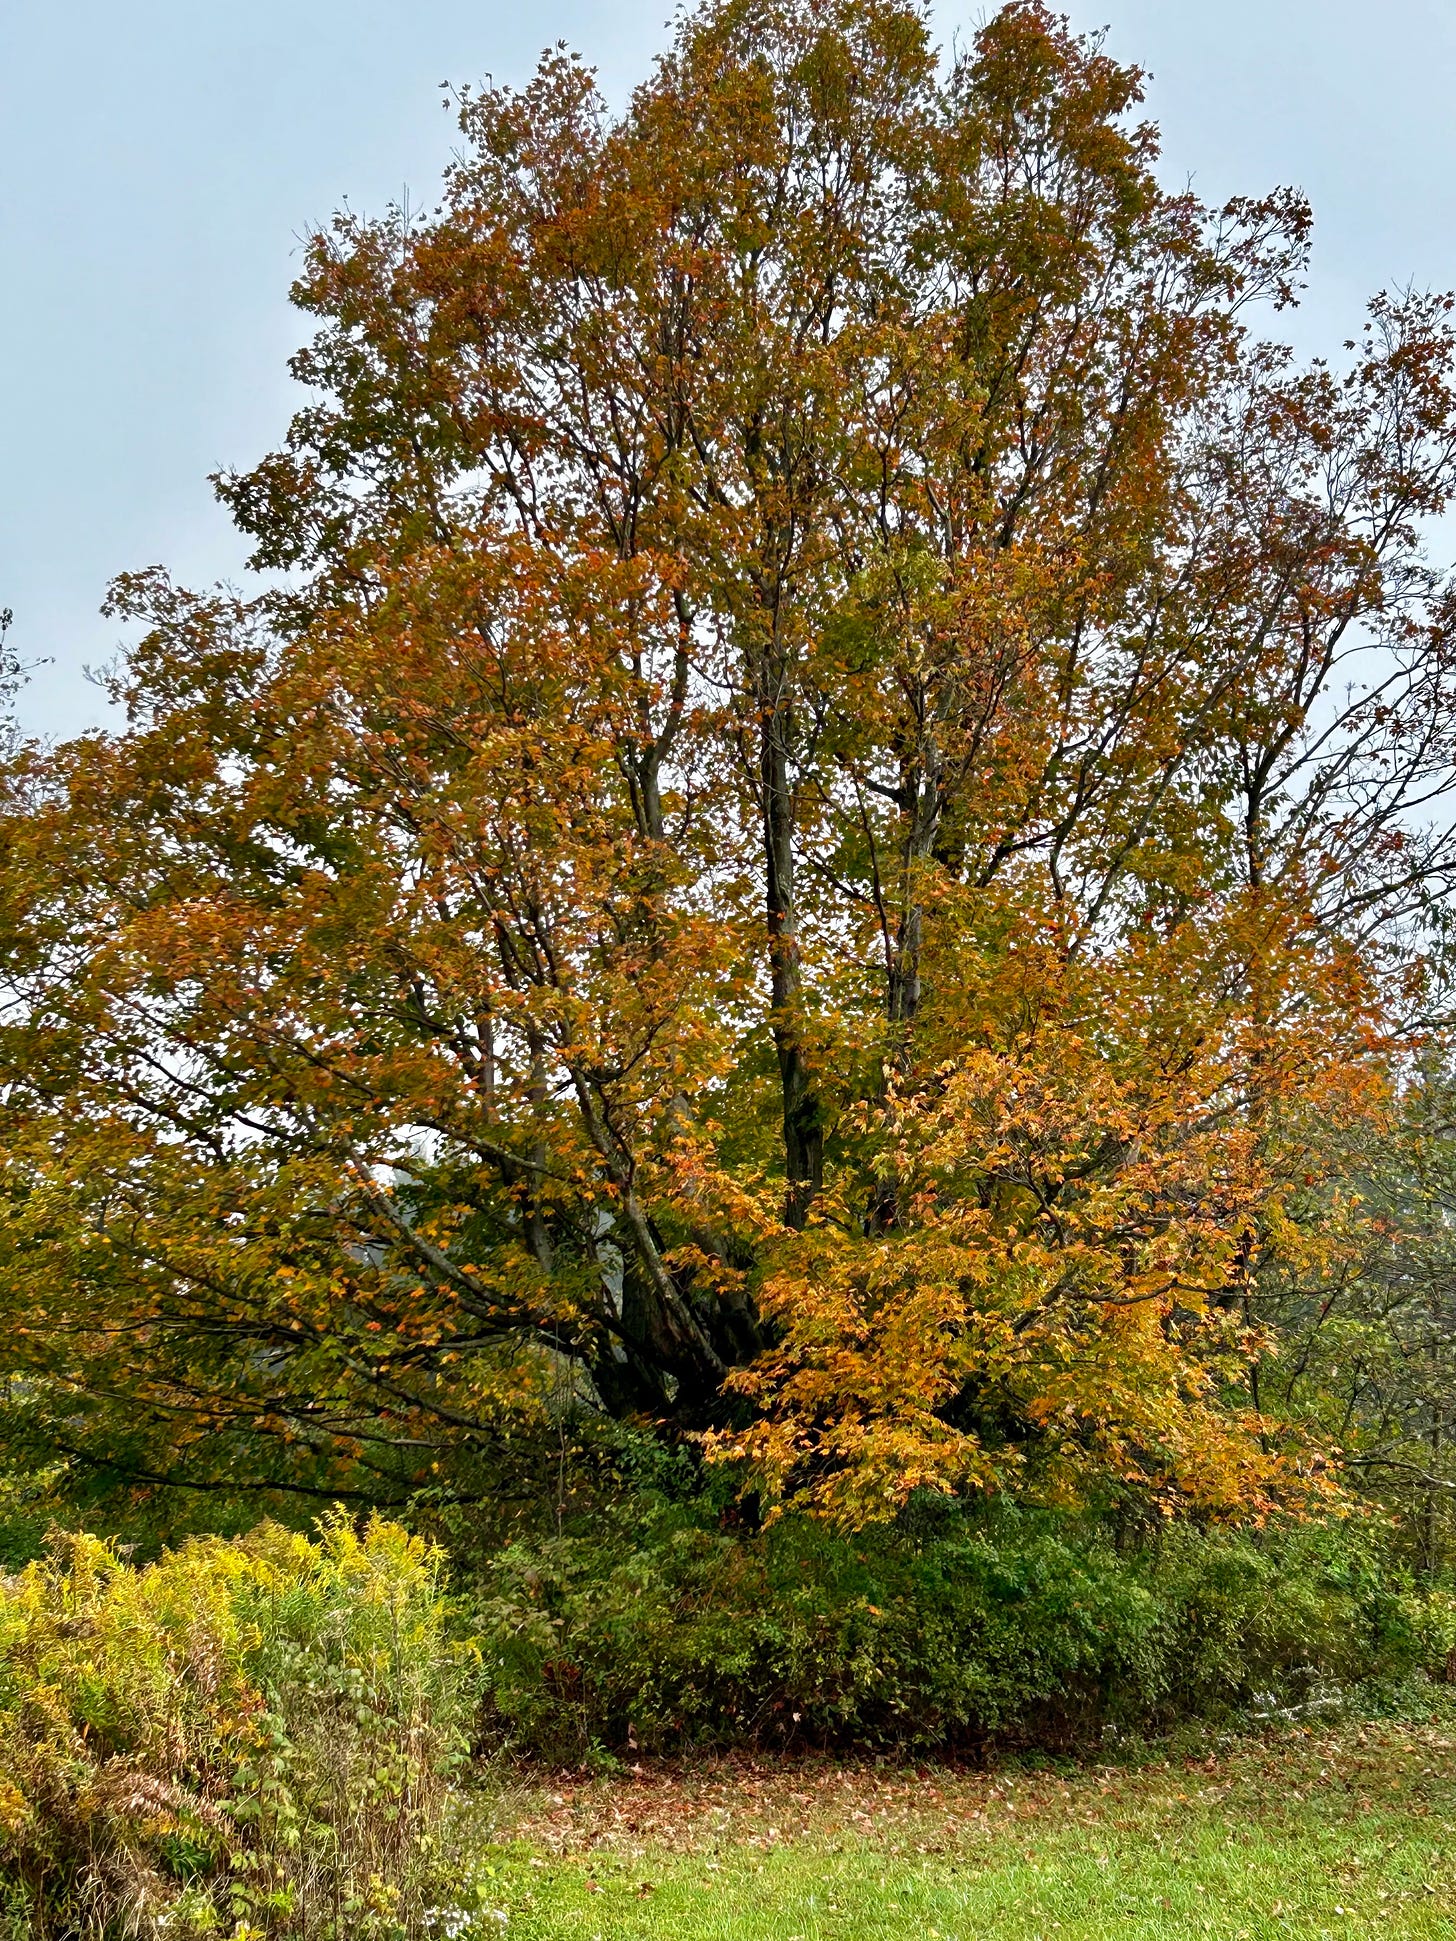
<point x="1005" y="1626"/>
<point x="251" y="1737"/>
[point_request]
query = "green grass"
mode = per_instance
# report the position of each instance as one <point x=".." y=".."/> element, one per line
<point x="1317" y="1835"/>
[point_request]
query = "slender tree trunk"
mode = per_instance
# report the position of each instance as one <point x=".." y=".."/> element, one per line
<point x="920" y="803"/>
<point x="802" y="1115"/>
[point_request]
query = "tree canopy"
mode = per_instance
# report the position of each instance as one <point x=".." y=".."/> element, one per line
<point x="833" y="777"/>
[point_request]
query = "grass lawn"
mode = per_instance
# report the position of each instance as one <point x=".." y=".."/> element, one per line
<point x="1328" y="1832"/>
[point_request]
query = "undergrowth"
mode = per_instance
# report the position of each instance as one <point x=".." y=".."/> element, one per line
<point x="967" y="1632"/>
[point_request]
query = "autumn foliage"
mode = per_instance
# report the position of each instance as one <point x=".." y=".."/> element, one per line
<point x="823" y="795"/>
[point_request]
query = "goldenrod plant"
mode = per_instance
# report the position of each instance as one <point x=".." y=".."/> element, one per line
<point x="252" y="1737"/>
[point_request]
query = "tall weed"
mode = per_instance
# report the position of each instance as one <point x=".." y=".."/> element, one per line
<point x="253" y="1738"/>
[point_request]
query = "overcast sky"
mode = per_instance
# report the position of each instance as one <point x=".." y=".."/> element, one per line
<point x="164" y="157"/>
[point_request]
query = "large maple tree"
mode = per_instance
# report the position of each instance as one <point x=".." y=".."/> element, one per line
<point x="825" y="788"/>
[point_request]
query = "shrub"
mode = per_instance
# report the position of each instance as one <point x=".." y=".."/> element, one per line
<point x="253" y="1737"/>
<point x="1008" y="1626"/>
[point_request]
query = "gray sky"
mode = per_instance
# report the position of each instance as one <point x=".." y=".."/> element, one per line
<point x="164" y="157"/>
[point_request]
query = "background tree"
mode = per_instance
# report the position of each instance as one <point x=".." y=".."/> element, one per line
<point x="1365" y="1331"/>
<point x="826" y="794"/>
